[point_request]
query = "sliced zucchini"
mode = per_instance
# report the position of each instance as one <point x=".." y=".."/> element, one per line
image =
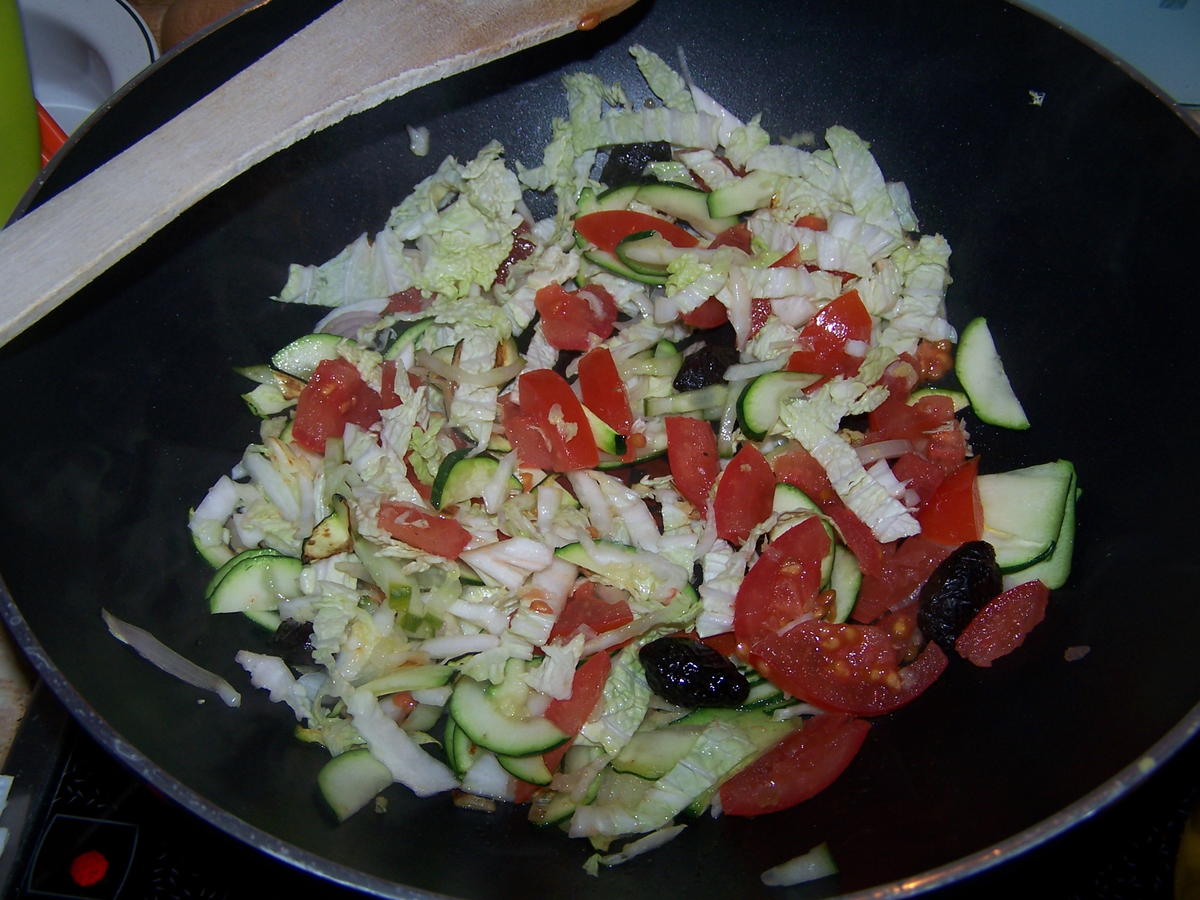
<point x="712" y="397"/>
<point x="614" y="198"/>
<point x="655" y="435"/>
<point x="462" y="477"/>
<point x="530" y="769"/>
<point x="647" y="253"/>
<point x="410" y="678"/>
<point x="637" y="571"/>
<point x="762" y="399"/>
<point x="610" y="262"/>
<point x="958" y="398"/>
<point x="845" y="580"/>
<point x="788" y="499"/>
<point x="387" y="573"/>
<point x="255" y="582"/>
<point x="331" y="535"/>
<point x="982" y="375"/>
<point x="301" y="357"/>
<point x="460" y="752"/>
<point x="748" y="193"/>
<point x="606" y="438"/>
<point x="479" y="716"/>
<point x="407" y="338"/>
<point x="1055" y="569"/>
<point x="267" y="400"/>
<point x="653" y="753"/>
<point x="1023" y="512"/>
<point x="351" y="780"/>
<point x="687" y="203"/>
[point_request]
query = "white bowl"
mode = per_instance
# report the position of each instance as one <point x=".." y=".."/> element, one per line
<point x="81" y="52"/>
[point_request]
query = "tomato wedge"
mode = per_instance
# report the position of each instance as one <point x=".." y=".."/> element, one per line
<point x="334" y="397"/>
<point x="745" y="493"/>
<point x="845" y="668"/>
<point x="708" y="314"/>
<point x="824" y="340"/>
<point x="588" y="611"/>
<point x="1002" y="625"/>
<point x="575" y="320"/>
<point x="608" y="227"/>
<point x="797" y="768"/>
<point x="954" y="514"/>
<point x="783" y="584"/>
<point x="551" y="407"/>
<point x="570" y="714"/>
<point x="692" y="454"/>
<point x="604" y="391"/>
<point x="425" y="530"/>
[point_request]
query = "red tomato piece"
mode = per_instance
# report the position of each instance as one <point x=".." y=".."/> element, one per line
<point x="947" y="449"/>
<point x="782" y="585"/>
<point x="604" y="391"/>
<point x="607" y="228"/>
<point x="1002" y="625"/>
<point x="745" y="494"/>
<point x="550" y="404"/>
<point x="575" y="320"/>
<point x="734" y="236"/>
<point x="954" y="514"/>
<point x="532" y="446"/>
<point x="590" y="612"/>
<point x="407" y="301"/>
<point x="797" y="768"/>
<point x="823" y="340"/>
<point x="813" y="223"/>
<point x="845" y="668"/>
<point x="896" y="418"/>
<point x="570" y="714"/>
<point x="789" y="260"/>
<point x="692" y="454"/>
<point x="760" y="311"/>
<point x="797" y="467"/>
<point x="708" y="314"/>
<point x="922" y="476"/>
<point x="334" y="396"/>
<point x="858" y="537"/>
<point x="425" y="530"/>
<point x="904" y="570"/>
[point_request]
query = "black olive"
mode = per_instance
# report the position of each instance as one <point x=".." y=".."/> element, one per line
<point x="291" y="642"/>
<point x="627" y="162"/>
<point x="704" y="367"/>
<point x="690" y="673"/>
<point x="958" y="588"/>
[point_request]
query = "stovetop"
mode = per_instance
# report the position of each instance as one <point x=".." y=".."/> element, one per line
<point x="83" y="826"/>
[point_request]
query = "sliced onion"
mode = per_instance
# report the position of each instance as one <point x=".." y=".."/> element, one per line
<point x="869" y="453"/>
<point x="491" y="378"/>
<point x="159" y="654"/>
<point x="347" y="320"/>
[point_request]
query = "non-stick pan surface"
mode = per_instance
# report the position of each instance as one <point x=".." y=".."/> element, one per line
<point x="1074" y="226"/>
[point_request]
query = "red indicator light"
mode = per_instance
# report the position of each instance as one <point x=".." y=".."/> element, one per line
<point x="89" y="868"/>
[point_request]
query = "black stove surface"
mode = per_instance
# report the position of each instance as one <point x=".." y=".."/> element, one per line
<point x="83" y="826"/>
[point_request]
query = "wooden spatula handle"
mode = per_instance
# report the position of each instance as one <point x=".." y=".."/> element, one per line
<point x="356" y="56"/>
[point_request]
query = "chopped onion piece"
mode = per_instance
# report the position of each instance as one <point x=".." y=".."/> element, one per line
<point x="491" y="378"/>
<point x="345" y="321"/>
<point x="869" y="453"/>
<point x="816" y="863"/>
<point x="651" y="841"/>
<point x="159" y="654"/>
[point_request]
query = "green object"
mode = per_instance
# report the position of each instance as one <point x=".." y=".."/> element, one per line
<point x="20" y="149"/>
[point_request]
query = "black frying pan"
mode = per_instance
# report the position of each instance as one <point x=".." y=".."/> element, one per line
<point x="1074" y="228"/>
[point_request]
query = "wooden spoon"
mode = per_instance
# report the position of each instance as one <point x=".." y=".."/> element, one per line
<point x="356" y="56"/>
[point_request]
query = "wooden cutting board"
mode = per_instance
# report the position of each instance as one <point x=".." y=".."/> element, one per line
<point x="356" y="56"/>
